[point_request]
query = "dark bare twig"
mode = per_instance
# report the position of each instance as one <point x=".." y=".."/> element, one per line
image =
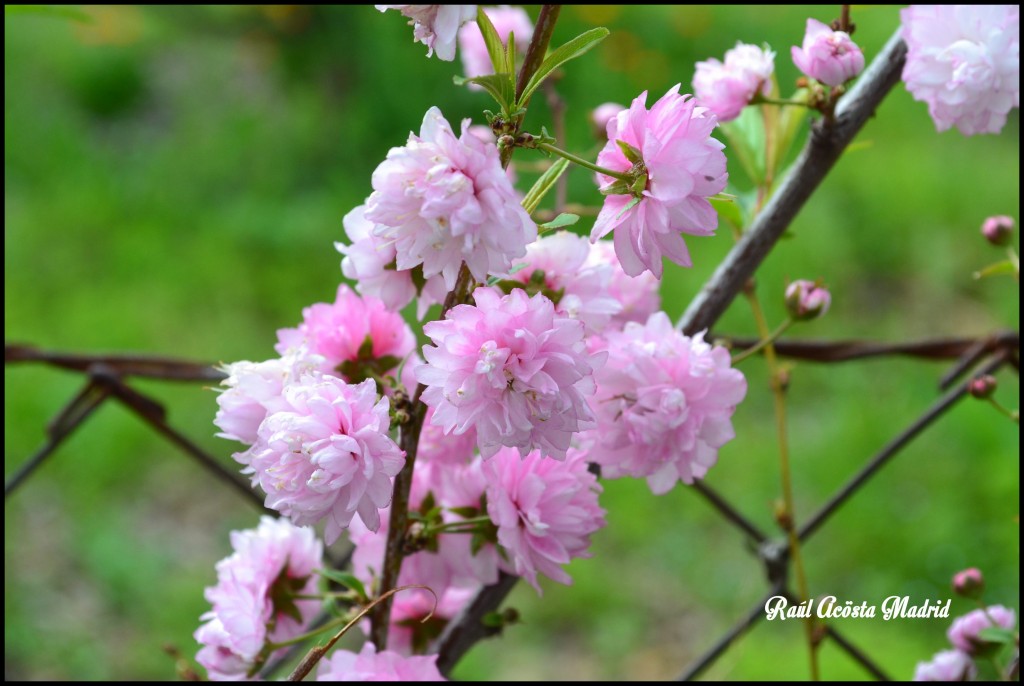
<point x="823" y="149"/>
<point x="940" y="407"/>
<point x="729" y="512"/>
<point x="856" y="653"/>
<point x="463" y="632"/>
<point x="67" y="420"/>
<point x="150" y="366"/>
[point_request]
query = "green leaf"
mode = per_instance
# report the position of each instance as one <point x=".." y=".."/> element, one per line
<point x="564" y="219"/>
<point x="492" y="40"/>
<point x="58" y="11"/>
<point x="619" y="187"/>
<point x="631" y="153"/>
<point x="629" y="205"/>
<point x="346" y="579"/>
<point x="510" y="53"/>
<point x="1004" y="267"/>
<point x="995" y="634"/>
<point x="544" y="184"/>
<point x="746" y="142"/>
<point x="571" y="50"/>
<point x="729" y="210"/>
<point x="500" y="86"/>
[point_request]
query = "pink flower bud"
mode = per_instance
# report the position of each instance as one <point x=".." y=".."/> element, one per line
<point x="969" y="583"/>
<point x="998" y="230"/>
<point x="982" y="387"/>
<point x="603" y="114"/>
<point x="828" y="56"/>
<point x="807" y="300"/>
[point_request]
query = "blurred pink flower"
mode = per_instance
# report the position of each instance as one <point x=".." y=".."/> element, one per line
<point x="436" y="26"/>
<point x="726" y="88"/>
<point x="511" y="368"/>
<point x="828" y="56"/>
<point x="243" y="600"/>
<point x="964" y="62"/>
<point x="807" y="300"/>
<point x="327" y="454"/>
<point x="963" y="634"/>
<point x="998" y="230"/>
<point x="369" y="665"/>
<point x="684" y="166"/>
<point x="545" y="511"/>
<point x="475" y="59"/>
<point x="949" y="665"/>
<point x="443" y="200"/>
<point x="664" y="404"/>
<point x="603" y="114"/>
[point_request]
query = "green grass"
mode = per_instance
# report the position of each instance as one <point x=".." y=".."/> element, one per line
<point x="174" y="183"/>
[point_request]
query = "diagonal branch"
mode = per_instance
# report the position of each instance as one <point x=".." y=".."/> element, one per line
<point x="151" y="366"/>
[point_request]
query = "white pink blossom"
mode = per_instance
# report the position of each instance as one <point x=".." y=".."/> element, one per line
<point x="684" y="166"/>
<point x="637" y="295"/>
<point x="443" y="200"/>
<point x="948" y="665"/>
<point x="369" y="665"/>
<point x="476" y="61"/>
<point x="964" y="62"/>
<point x="269" y="562"/>
<point x="545" y="511"/>
<point x="436" y="26"/>
<point x="349" y="333"/>
<point x="327" y="454"/>
<point x="664" y="404"/>
<point x="511" y="368"/>
<point x="727" y="87"/>
<point x="579" y="288"/>
<point x="828" y="56"/>
<point x="963" y="634"/>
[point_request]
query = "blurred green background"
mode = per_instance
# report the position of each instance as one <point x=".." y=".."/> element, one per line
<point x="174" y="180"/>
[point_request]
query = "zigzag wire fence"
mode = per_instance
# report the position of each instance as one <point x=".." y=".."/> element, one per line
<point x="108" y="378"/>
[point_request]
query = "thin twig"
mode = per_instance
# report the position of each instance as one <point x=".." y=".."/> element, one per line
<point x="856" y="653"/>
<point x="463" y="632"/>
<point x="824" y="147"/>
<point x="729" y="512"/>
<point x="150" y="366"/>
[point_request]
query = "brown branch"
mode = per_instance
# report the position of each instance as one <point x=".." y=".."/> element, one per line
<point x="124" y="365"/>
<point x="824" y="147"/>
<point x="463" y="632"/>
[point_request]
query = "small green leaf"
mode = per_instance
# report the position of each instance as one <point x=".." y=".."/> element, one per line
<point x="729" y="210"/>
<point x="1004" y="267"/>
<point x="639" y="185"/>
<point x="493" y="620"/>
<point x="995" y="634"/>
<point x="564" y="219"/>
<point x="500" y="86"/>
<point x="510" y="53"/>
<point x="629" y="205"/>
<point x="574" y="48"/>
<point x="631" y="153"/>
<point x="365" y="349"/>
<point x="495" y="48"/>
<point x="544" y="184"/>
<point x="620" y="187"/>
<point x="746" y="141"/>
<point x="346" y="579"/>
<point x="465" y="512"/>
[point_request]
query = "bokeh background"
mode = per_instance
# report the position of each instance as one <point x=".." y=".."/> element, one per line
<point x="174" y="180"/>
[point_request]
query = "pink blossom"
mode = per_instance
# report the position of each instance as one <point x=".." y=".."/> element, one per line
<point x="443" y="200"/>
<point x="369" y="665"/>
<point x="243" y="600"/>
<point x="638" y="295"/>
<point x="964" y="632"/>
<point x="327" y="454"/>
<point x="807" y="300"/>
<point x="949" y="665"/>
<point x="828" y="56"/>
<point x="964" y="61"/>
<point x="664" y="403"/>
<point x="448" y="449"/>
<point x="511" y="368"/>
<point x="603" y="114"/>
<point x="342" y="331"/>
<point x="726" y="88"/>
<point x="436" y="26"/>
<point x="475" y="59"/>
<point x="370" y="262"/>
<point x="998" y="230"/>
<point x="253" y="389"/>
<point x="579" y="289"/>
<point x="545" y="511"/>
<point x="684" y="166"/>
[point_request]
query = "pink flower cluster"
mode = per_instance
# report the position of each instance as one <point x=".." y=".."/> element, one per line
<point x="250" y="604"/>
<point x="663" y="403"/>
<point x="964" y="633"/>
<point x="327" y="453"/>
<point x="475" y="59"/>
<point x="948" y="665"/>
<point x="545" y="510"/>
<point x="443" y="199"/>
<point x="511" y="368"/>
<point x="726" y="88"/>
<point x="828" y="56"/>
<point x="369" y="665"/>
<point x="683" y="166"/>
<point x="436" y="26"/>
<point x="964" y="62"/>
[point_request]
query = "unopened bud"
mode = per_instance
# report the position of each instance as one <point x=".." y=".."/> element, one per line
<point x="600" y="117"/>
<point x="998" y="230"/>
<point x="807" y="300"/>
<point x="982" y="387"/>
<point x="969" y="583"/>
